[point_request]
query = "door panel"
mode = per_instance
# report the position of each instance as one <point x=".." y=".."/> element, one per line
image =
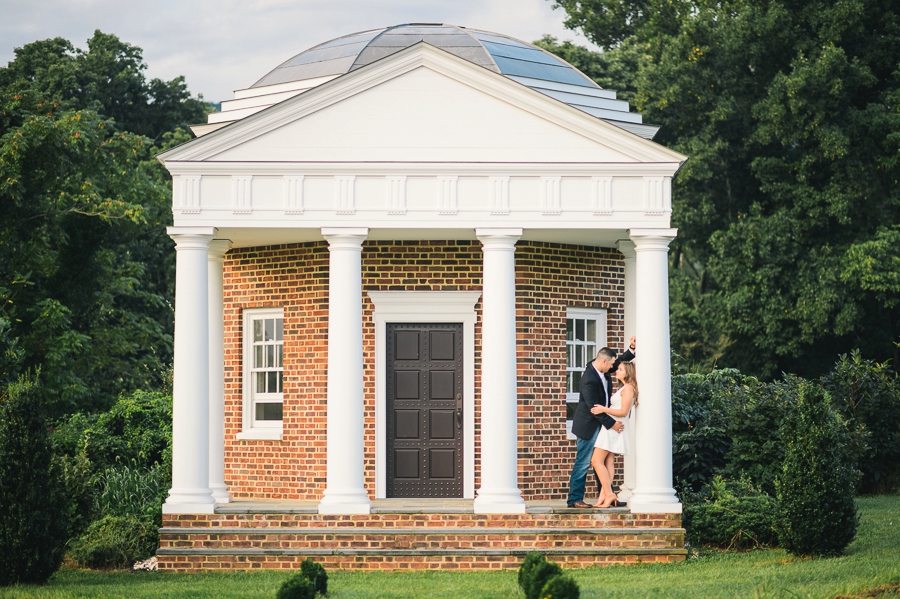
<point x="424" y="394"/>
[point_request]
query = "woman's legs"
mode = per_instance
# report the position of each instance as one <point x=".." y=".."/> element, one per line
<point x="598" y="461"/>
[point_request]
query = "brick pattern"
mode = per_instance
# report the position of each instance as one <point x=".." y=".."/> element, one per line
<point x="417" y="541"/>
<point x="549" y="278"/>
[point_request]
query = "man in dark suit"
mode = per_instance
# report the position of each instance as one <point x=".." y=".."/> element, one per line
<point x="596" y="387"/>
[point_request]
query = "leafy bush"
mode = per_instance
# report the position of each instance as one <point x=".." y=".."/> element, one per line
<point x="316" y="574"/>
<point x="731" y="515"/>
<point x="114" y="542"/>
<point x="868" y="395"/>
<point x="560" y="587"/>
<point x="136" y="430"/>
<point x="297" y="587"/>
<point x="815" y="485"/>
<point x="33" y="528"/>
<point x="534" y="574"/>
<point x="699" y="439"/>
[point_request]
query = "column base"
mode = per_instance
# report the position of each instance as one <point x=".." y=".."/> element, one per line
<point x="625" y="494"/>
<point x="189" y="501"/>
<point x="654" y="501"/>
<point x="345" y="503"/>
<point x="499" y="502"/>
<point x="220" y="493"/>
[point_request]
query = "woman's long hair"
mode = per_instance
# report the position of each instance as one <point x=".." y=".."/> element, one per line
<point x="631" y="378"/>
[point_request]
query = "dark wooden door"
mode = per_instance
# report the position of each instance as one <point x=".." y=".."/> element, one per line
<point x="424" y="411"/>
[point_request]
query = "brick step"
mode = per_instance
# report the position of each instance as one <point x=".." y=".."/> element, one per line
<point x="401" y="541"/>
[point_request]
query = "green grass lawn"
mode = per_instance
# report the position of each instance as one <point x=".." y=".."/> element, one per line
<point x="872" y="562"/>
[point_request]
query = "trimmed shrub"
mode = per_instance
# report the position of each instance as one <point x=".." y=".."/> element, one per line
<point x="731" y="515"/>
<point x="33" y="527"/>
<point x="867" y="394"/>
<point x="526" y="569"/>
<point x="297" y="587"/>
<point x="560" y="587"/>
<point x="316" y="574"/>
<point x="114" y="542"/>
<point x="540" y="576"/>
<point x="818" y="514"/>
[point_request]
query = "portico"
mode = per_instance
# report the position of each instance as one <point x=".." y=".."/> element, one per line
<point x="353" y="307"/>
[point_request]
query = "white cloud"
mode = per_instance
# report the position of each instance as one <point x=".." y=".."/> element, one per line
<point x="220" y="46"/>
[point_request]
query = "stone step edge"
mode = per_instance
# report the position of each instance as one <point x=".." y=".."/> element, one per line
<point x="225" y="510"/>
<point x="431" y="530"/>
<point x="423" y="552"/>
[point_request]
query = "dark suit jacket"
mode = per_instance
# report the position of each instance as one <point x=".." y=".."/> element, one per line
<point x="585" y="424"/>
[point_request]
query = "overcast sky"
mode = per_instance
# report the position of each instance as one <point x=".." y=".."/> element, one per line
<point x="224" y="45"/>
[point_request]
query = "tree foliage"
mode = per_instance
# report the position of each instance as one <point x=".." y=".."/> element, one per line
<point x="86" y="269"/>
<point x="788" y="206"/>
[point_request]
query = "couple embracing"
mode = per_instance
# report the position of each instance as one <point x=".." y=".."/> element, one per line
<point x="599" y="423"/>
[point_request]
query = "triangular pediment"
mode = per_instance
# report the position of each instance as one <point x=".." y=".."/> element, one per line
<point x="422" y="105"/>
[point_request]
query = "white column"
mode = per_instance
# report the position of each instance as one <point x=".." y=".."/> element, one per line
<point x="345" y="491"/>
<point x="653" y="492"/>
<point x="217" y="250"/>
<point x="190" y="492"/>
<point x="626" y="248"/>
<point x="499" y="492"/>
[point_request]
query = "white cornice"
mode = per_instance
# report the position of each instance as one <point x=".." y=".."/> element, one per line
<point x="583" y="169"/>
<point x="421" y="55"/>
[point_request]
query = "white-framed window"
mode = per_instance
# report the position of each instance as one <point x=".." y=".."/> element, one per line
<point x="263" y="373"/>
<point x="585" y="335"/>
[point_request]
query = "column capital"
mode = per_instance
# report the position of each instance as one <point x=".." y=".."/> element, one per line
<point x="652" y="239"/>
<point x="345" y="238"/>
<point x="498" y="238"/>
<point x="626" y="248"/>
<point x="218" y="248"/>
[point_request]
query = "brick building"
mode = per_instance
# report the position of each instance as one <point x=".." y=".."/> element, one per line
<point x="395" y="254"/>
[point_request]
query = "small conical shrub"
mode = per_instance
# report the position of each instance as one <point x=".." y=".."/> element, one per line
<point x="33" y="525"/>
<point x="560" y="587"/>
<point x="316" y="574"/>
<point x="541" y="574"/>
<point x="815" y="486"/>
<point x="297" y="587"/>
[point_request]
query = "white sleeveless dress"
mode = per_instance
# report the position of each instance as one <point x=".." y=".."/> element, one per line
<point x="609" y="439"/>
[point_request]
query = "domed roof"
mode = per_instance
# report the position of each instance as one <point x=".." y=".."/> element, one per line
<point x="499" y="53"/>
<point x="519" y="61"/>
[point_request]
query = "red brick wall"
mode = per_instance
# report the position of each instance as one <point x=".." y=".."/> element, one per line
<point x="549" y="278"/>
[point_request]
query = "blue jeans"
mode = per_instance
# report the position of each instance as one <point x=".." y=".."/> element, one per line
<point x="584" y="449"/>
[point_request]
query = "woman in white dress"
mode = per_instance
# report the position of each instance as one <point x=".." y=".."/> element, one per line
<point x="609" y="442"/>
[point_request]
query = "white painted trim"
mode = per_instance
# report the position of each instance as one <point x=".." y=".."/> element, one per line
<point x="425" y="307"/>
<point x="248" y="431"/>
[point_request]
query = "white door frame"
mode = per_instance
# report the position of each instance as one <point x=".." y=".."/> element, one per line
<point x="425" y="307"/>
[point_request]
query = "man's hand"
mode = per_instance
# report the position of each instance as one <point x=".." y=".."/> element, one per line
<point x="618" y="426"/>
<point x="631" y="343"/>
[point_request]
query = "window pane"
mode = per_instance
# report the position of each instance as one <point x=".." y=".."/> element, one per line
<point x="279" y="329"/>
<point x="257" y="330"/>
<point x="576" y="381"/>
<point x="591" y="352"/>
<point x="280" y="382"/>
<point x="270" y="356"/>
<point x="280" y="357"/>
<point x="260" y="382"/>
<point x="579" y="330"/>
<point x="592" y="330"/>
<point x="579" y="356"/>
<point x="570" y="356"/>
<point x="258" y="357"/>
<point x="570" y="377"/>
<point x="570" y="410"/>
<point x="569" y="334"/>
<point x="273" y="382"/>
<point x="270" y="329"/>
<point x="269" y="411"/>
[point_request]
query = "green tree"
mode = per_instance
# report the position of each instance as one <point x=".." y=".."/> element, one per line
<point x="86" y="268"/>
<point x="789" y="112"/>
